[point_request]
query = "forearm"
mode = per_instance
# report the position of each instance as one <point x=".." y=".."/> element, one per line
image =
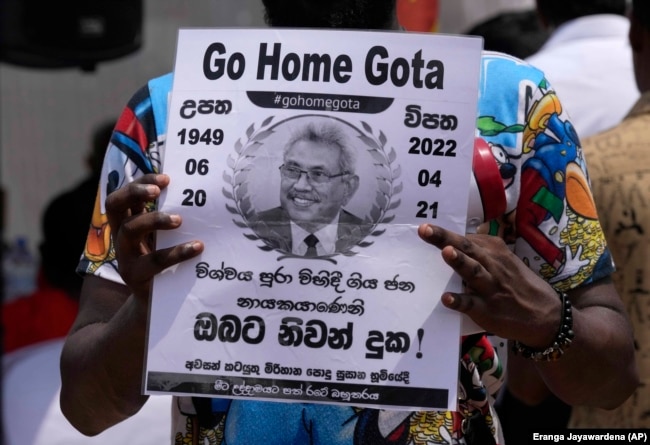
<point x="598" y="368"/>
<point x="524" y="381"/>
<point x="101" y="370"/>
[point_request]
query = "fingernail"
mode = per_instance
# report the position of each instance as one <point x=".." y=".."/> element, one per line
<point x="152" y="190"/>
<point x="448" y="300"/>
<point x="176" y="219"/>
<point x="428" y="230"/>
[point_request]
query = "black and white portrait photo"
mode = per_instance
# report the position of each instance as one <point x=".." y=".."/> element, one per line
<point x="312" y="184"/>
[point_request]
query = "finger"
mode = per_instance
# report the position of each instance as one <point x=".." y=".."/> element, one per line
<point x="155" y="262"/>
<point x="478" y="247"/>
<point x="132" y="198"/>
<point x="440" y="237"/>
<point x="135" y="231"/>
<point x="465" y="303"/>
<point x="474" y="275"/>
<point x="471" y="305"/>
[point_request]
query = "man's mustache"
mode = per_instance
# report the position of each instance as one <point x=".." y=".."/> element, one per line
<point x="305" y="196"/>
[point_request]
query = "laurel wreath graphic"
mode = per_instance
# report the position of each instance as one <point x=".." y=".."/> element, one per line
<point x="238" y="193"/>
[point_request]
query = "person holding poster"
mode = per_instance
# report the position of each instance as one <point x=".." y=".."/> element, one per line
<point x="537" y="275"/>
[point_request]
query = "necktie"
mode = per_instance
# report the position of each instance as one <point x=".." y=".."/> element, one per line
<point x="311" y="240"/>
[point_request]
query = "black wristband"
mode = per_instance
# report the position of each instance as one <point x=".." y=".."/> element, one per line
<point x="562" y="339"/>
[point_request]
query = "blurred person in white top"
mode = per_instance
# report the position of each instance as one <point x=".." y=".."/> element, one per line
<point x="588" y="60"/>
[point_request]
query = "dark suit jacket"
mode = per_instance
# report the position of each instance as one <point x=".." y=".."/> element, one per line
<point x="273" y="226"/>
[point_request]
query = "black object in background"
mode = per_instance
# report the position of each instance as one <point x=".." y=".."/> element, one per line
<point x="76" y="33"/>
<point x="517" y="33"/>
<point x="519" y="421"/>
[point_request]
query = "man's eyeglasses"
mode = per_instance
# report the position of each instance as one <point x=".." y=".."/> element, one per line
<point x="314" y="176"/>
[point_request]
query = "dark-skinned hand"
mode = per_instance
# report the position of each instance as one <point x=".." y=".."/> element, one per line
<point x="133" y="229"/>
<point x="501" y="294"/>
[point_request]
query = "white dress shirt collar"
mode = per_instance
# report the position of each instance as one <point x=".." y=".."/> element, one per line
<point x="326" y="239"/>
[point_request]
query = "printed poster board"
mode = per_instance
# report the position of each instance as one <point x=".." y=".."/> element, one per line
<point x="259" y="314"/>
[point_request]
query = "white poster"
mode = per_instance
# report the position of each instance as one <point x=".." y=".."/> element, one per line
<point x="305" y="160"/>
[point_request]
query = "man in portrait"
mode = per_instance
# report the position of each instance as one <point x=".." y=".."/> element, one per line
<point x="317" y="179"/>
